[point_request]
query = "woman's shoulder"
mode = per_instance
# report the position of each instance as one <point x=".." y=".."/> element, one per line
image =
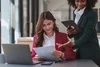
<point x="35" y="36"/>
<point x="92" y="12"/>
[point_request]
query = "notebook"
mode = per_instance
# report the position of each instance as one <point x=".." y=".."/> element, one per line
<point x="18" y="54"/>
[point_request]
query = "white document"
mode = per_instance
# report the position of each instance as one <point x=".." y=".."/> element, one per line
<point x="46" y="52"/>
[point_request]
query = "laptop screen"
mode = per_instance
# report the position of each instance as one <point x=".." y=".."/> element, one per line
<point x="17" y="54"/>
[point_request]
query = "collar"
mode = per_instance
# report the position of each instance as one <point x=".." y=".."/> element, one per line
<point x="80" y="12"/>
<point x="46" y="37"/>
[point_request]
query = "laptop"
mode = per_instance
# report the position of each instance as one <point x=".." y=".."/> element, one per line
<point x="18" y="54"/>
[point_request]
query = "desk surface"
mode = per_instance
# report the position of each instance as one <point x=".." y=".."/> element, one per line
<point x="77" y="63"/>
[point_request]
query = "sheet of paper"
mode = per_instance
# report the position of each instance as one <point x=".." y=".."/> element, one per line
<point x="46" y="52"/>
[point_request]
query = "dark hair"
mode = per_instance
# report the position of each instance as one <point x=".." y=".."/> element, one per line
<point x="39" y="31"/>
<point x="90" y="3"/>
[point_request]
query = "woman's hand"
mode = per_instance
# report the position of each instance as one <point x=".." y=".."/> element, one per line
<point x="75" y="50"/>
<point x="67" y="44"/>
<point x="71" y="30"/>
<point x="58" y="54"/>
<point x="38" y="58"/>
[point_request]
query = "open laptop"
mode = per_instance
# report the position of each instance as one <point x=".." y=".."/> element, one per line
<point x="18" y="54"/>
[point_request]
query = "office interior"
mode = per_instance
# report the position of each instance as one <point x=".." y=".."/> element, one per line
<point x="19" y="18"/>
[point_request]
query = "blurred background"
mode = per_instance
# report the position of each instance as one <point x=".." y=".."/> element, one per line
<point x="19" y="17"/>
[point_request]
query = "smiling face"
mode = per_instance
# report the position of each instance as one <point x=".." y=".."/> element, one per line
<point x="80" y="3"/>
<point x="48" y="26"/>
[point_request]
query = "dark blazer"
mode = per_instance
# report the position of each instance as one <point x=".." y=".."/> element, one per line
<point x="59" y="38"/>
<point x="86" y="41"/>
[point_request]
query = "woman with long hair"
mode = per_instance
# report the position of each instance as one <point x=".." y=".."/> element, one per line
<point x="47" y="34"/>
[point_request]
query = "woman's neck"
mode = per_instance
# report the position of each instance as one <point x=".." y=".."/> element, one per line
<point x="50" y="34"/>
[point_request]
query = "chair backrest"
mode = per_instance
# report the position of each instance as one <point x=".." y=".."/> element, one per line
<point x="2" y="59"/>
<point x="25" y="41"/>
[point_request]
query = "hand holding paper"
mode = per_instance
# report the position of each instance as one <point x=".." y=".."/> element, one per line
<point x="39" y="58"/>
<point x="47" y="53"/>
<point x="58" y="54"/>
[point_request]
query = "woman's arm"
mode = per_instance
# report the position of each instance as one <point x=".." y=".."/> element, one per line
<point x="68" y="54"/>
<point x="66" y="48"/>
<point x="33" y="46"/>
<point x="88" y="31"/>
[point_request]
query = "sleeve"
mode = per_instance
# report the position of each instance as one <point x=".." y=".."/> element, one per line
<point x="88" y="31"/>
<point x="33" y="53"/>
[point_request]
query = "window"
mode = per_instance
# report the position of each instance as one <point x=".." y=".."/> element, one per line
<point x="98" y="24"/>
<point x="98" y="12"/>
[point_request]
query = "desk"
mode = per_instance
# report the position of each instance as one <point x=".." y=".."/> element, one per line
<point x="77" y="63"/>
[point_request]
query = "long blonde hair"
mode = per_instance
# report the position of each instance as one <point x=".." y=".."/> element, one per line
<point x="39" y="31"/>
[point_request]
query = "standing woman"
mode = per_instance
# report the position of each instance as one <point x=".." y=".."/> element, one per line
<point x="86" y="42"/>
<point x="47" y="34"/>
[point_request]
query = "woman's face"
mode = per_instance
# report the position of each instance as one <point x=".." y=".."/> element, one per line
<point x="48" y="26"/>
<point x="80" y="3"/>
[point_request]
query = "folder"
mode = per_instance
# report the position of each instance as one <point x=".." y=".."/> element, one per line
<point x="69" y="23"/>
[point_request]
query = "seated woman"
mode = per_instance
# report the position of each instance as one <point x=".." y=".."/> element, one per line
<point x="48" y="34"/>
